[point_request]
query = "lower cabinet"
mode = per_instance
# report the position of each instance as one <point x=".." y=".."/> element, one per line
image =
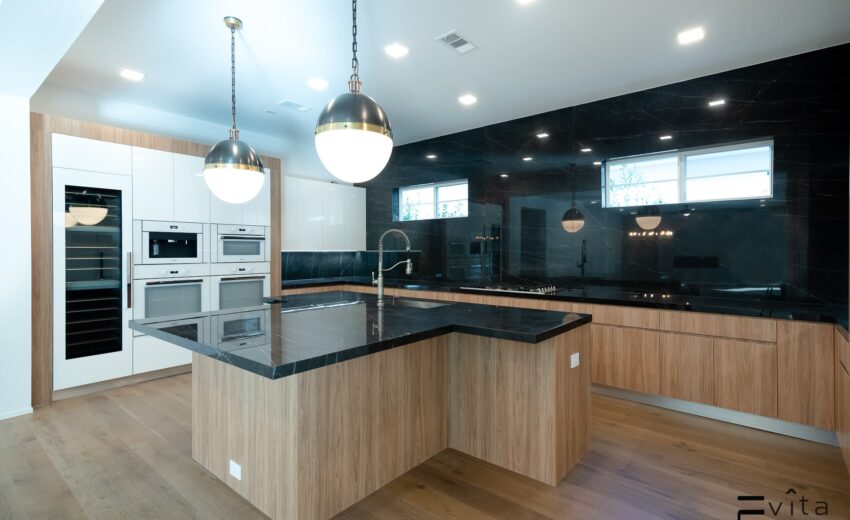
<point x="687" y="367"/>
<point x="625" y="358"/>
<point x="154" y="354"/>
<point x="842" y="395"/>
<point x="806" y="373"/>
<point x="745" y="376"/>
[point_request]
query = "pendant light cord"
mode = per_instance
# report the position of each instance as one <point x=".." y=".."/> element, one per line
<point x="233" y="75"/>
<point x="355" y="64"/>
<point x="573" y="179"/>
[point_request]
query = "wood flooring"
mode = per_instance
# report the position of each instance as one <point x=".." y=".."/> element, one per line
<point x="126" y="454"/>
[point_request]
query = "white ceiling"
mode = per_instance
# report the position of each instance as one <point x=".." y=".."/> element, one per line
<point x="534" y="58"/>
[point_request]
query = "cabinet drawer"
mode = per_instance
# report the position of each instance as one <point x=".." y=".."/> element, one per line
<point x="745" y="376"/>
<point x="757" y="329"/>
<point x="625" y="358"/>
<point x="687" y="367"/>
<point x="621" y="316"/>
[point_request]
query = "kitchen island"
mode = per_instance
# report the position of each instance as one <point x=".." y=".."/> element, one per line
<point x="308" y="404"/>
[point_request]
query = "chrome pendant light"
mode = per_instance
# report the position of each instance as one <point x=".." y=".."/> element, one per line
<point x="353" y="135"/>
<point x="648" y="217"/>
<point x="573" y="220"/>
<point x="232" y="169"/>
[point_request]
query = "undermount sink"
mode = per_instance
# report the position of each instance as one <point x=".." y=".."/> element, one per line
<point x="417" y="304"/>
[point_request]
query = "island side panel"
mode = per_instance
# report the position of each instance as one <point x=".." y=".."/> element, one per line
<point x="572" y="398"/>
<point x="315" y="443"/>
<point x="519" y="405"/>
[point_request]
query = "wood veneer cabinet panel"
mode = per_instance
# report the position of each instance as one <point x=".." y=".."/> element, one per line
<point x="625" y="358"/>
<point x="724" y="326"/>
<point x="622" y="316"/>
<point x="745" y="376"/>
<point x="312" y="444"/>
<point x="687" y="367"/>
<point x="842" y="398"/>
<point x="806" y="353"/>
<point x="520" y="406"/>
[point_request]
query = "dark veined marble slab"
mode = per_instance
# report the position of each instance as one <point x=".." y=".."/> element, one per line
<point x="294" y="334"/>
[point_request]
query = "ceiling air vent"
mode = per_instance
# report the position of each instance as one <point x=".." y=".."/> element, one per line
<point x="457" y="42"/>
<point x="292" y="105"/>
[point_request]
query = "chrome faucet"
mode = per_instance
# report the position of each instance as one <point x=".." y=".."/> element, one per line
<point x="379" y="281"/>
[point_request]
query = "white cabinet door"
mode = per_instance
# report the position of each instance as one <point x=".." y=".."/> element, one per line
<point x="154" y="354"/>
<point x="153" y="184"/>
<point x="78" y="153"/>
<point x="291" y="212"/>
<point x="311" y="215"/>
<point x="223" y="212"/>
<point x="354" y="214"/>
<point x="191" y="195"/>
<point x="257" y="211"/>
<point x="335" y="233"/>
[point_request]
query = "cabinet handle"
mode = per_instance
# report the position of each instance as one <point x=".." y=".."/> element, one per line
<point x="129" y="279"/>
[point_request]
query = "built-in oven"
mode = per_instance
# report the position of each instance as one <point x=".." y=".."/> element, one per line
<point x="171" y="242"/>
<point x="241" y="329"/>
<point x="239" y="290"/>
<point x="241" y="243"/>
<point x="170" y="290"/>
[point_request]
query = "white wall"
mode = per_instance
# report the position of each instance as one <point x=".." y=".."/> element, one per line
<point x="16" y="292"/>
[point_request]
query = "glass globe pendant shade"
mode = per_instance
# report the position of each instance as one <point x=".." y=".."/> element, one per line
<point x="572" y="220"/>
<point x="233" y="171"/>
<point x="353" y="138"/>
<point x="648" y="217"/>
<point x="87" y="215"/>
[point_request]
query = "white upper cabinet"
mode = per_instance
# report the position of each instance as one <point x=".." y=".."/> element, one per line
<point x="223" y="212"/>
<point x="153" y="184"/>
<point x="78" y="153"/>
<point x="257" y="211"/>
<point x="323" y="216"/>
<point x="291" y="201"/>
<point x="191" y="195"/>
<point x="354" y="213"/>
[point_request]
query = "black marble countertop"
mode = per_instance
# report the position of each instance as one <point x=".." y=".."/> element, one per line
<point x="294" y="334"/>
<point x="613" y="295"/>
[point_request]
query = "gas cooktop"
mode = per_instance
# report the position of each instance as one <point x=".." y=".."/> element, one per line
<point x="514" y="288"/>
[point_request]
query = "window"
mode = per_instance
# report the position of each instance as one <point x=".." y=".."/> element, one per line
<point x="428" y="201"/>
<point x="740" y="171"/>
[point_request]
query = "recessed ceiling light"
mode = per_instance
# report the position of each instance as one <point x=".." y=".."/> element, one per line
<point x="317" y="83"/>
<point x="132" y="75"/>
<point x="593" y="202"/>
<point x="467" y="99"/>
<point x="597" y="163"/>
<point x="272" y="112"/>
<point x="666" y="137"/>
<point x="691" y="35"/>
<point x="585" y="150"/>
<point x="503" y="175"/>
<point x="542" y="135"/>
<point x="716" y="102"/>
<point x="525" y="2"/>
<point x="430" y="156"/>
<point x="292" y="105"/>
<point x="396" y="50"/>
<point x="526" y="159"/>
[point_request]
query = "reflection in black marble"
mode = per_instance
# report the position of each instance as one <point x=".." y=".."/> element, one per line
<point x="792" y="247"/>
<point x="308" y="331"/>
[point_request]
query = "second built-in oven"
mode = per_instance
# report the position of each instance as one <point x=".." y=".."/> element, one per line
<point x="239" y="290"/>
<point x="240" y="243"/>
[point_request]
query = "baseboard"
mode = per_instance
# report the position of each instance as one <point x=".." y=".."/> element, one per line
<point x="100" y="386"/>
<point x="800" y="431"/>
<point x="16" y="413"/>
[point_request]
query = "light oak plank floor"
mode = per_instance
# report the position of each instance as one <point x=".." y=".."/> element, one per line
<point x="126" y="454"/>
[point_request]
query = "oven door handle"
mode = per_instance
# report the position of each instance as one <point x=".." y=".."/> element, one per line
<point x="175" y="282"/>
<point x="242" y="237"/>
<point x="241" y="278"/>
